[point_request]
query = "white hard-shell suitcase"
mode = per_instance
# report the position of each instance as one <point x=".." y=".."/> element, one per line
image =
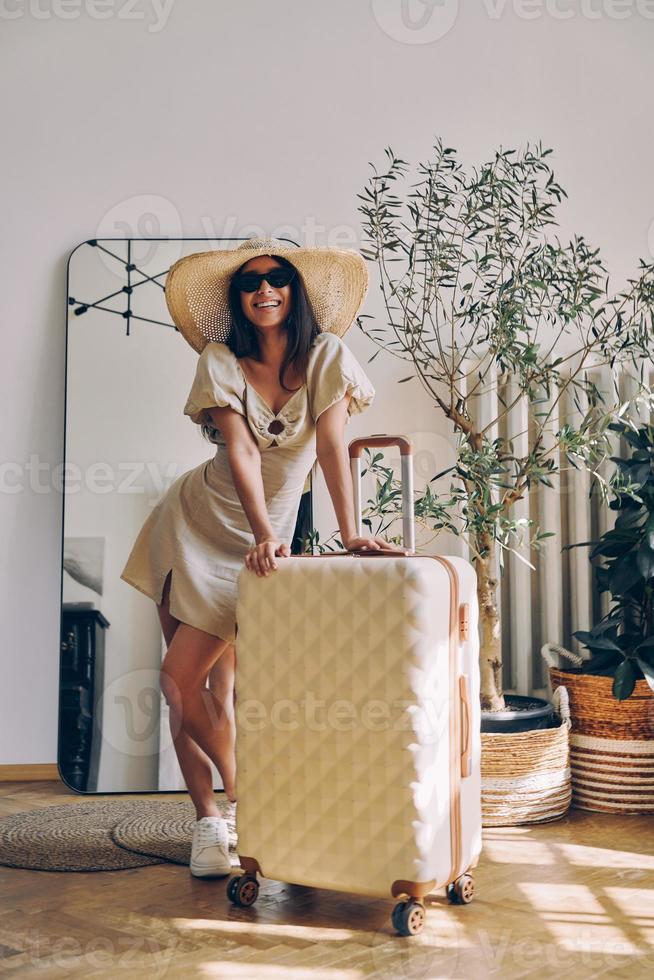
<point x="358" y="721"/>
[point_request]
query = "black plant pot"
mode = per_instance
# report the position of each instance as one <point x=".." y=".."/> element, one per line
<point x="522" y="715"/>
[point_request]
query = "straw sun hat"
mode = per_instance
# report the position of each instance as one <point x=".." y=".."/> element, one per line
<point x="196" y="289"/>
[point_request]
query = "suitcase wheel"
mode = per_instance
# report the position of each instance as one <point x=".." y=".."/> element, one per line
<point x="243" y="890"/>
<point x="408" y="918"/>
<point x="461" y="891"/>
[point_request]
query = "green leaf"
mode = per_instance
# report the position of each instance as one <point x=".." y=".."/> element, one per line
<point x="613" y="546"/>
<point x="610" y="623"/>
<point x="578" y="544"/>
<point x="648" y="671"/>
<point x="641" y="473"/>
<point x="630" y="518"/>
<point x="604" y="662"/>
<point x="624" y="681"/>
<point x="596" y="642"/>
<point x="633" y="438"/>
<point x="624" y="575"/>
<point x="645" y="560"/>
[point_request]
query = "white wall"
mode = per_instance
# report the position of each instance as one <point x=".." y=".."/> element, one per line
<point x="226" y="116"/>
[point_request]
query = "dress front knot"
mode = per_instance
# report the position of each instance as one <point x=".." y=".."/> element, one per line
<point x="276" y="429"/>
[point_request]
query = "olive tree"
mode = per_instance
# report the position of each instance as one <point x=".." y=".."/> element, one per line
<point x="478" y="289"/>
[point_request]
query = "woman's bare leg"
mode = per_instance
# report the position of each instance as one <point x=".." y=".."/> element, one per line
<point x="194" y="762"/>
<point x="221" y="686"/>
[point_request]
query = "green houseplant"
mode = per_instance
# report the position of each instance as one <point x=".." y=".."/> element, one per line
<point x="621" y="645"/>
<point x="477" y="290"/>
<point x="610" y="691"/>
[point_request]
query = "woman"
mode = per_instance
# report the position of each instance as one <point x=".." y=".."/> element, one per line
<point x="267" y="321"/>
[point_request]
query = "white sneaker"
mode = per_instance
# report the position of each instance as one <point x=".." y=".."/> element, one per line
<point x="210" y="848"/>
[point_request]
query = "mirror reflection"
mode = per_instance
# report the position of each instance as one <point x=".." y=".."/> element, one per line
<point x="128" y="375"/>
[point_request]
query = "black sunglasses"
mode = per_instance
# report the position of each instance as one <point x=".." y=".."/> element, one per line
<point x="249" y="282"/>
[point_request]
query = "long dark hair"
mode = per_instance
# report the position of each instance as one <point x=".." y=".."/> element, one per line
<point x="301" y="326"/>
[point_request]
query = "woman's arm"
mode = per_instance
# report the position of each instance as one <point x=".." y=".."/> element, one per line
<point x="245" y="464"/>
<point x="335" y="465"/>
<point x="334" y="461"/>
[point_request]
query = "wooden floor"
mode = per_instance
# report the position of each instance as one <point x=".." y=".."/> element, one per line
<point x="571" y="899"/>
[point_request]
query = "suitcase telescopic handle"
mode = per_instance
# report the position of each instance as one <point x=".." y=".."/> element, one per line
<point x="381" y="439"/>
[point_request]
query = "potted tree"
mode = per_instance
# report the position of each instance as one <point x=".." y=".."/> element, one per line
<point x="472" y="282"/>
<point x="478" y="291"/>
<point x="611" y="701"/>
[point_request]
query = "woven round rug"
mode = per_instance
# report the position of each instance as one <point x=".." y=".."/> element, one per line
<point x="70" y="837"/>
<point x="164" y="829"/>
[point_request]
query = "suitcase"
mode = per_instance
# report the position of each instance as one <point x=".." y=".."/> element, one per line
<point x="358" y="721"/>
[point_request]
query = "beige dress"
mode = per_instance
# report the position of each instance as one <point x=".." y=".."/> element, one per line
<point x="199" y="529"/>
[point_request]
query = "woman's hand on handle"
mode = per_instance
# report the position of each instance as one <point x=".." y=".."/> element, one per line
<point x="374" y="543"/>
<point x="261" y="557"/>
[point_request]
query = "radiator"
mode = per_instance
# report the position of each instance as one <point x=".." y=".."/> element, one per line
<point x="558" y="596"/>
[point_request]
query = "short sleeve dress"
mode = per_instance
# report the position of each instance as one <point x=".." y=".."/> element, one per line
<point x="199" y="530"/>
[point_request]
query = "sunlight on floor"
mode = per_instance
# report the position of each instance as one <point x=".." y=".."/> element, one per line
<point x="233" y="927"/>
<point x="638" y="903"/>
<point x="577" y="920"/>
<point x="602" y="857"/>
<point x="267" y="971"/>
<point x="509" y="851"/>
<point x="446" y="931"/>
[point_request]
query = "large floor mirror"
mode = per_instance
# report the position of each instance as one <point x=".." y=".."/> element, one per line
<point x="128" y="374"/>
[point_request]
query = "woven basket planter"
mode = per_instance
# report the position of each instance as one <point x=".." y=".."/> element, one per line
<point x="611" y="744"/>
<point x="525" y="776"/>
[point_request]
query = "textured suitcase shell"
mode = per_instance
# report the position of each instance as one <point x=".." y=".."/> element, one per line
<point x="358" y="745"/>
